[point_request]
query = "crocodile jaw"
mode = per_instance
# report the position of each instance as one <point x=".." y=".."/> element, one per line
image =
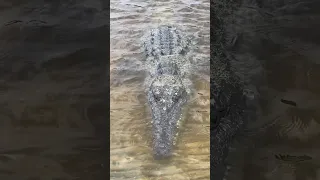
<point x="166" y="113"/>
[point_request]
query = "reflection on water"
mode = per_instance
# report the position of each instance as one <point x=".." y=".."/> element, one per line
<point x="130" y="150"/>
<point x="52" y="89"/>
<point x="283" y="141"/>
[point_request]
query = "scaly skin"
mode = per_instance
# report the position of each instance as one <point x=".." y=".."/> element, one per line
<point x="226" y="91"/>
<point x="168" y="85"/>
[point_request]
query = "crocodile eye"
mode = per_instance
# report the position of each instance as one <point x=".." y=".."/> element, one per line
<point x="175" y="97"/>
<point x="157" y="97"/>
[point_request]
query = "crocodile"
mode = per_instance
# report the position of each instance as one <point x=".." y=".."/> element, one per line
<point x="227" y="119"/>
<point x="166" y="66"/>
<point x="228" y="101"/>
<point x="168" y="85"/>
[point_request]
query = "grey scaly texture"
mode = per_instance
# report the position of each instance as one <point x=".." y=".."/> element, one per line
<point x="168" y="85"/>
<point x="226" y="93"/>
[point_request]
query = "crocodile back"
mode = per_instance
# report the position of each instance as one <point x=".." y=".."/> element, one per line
<point x="165" y="40"/>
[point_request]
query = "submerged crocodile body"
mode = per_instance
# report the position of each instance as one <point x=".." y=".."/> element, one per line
<point x="168" y="85"/>
<point x="228" y="103"/>
<point x="227" y="114"/>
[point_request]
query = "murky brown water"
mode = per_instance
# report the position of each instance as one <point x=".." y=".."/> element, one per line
<point x="131" y="153"/>
<point x="279" y="41"/>
<point x="53" y="90"/>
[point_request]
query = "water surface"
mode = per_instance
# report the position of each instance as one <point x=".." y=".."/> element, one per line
<point x="130" y="135"/>
<point x="277" y="52"/>
<point x="53" y="59"/>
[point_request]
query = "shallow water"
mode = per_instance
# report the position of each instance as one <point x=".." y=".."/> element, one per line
<point x="130" y="136"/>
<point x="53" y="89"/>
<point x="280" y="44"/>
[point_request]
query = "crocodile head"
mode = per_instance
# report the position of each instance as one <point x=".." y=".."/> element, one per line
<point x="167" y="97"/>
